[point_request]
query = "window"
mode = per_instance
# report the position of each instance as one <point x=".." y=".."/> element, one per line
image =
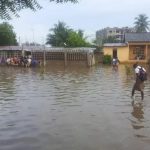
<point x="117" y="31"/>
<point x="138" y="52"/>
<point x="118" y="36"/>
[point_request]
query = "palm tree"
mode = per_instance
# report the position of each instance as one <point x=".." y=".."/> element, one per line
<point x="141" y="23"/>
<point x="58" y="35"/>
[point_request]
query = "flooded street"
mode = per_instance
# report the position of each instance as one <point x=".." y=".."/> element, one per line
<point x="74" y="108"/>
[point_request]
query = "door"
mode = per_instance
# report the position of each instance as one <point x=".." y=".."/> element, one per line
<point x="115" y="53"/>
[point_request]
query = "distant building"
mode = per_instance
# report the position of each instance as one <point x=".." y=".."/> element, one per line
<point x="117" y="33"/>
<point x="136" y="48"/>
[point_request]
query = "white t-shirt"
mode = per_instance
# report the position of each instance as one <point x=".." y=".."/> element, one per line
<point x="137" y="69"/>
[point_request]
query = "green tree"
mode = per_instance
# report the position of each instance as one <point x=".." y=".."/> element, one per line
<point x="61" y="36"/>
<point x="76" y="40"/>
<point x="141" y="23"/>
<point x="80" y="33"/>
<point x="110" y="39"/>
<point x="7" y="35"/>
<point x="12" y="7"/>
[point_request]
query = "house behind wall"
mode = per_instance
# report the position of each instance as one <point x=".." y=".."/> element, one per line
<point x="136" y="47"/>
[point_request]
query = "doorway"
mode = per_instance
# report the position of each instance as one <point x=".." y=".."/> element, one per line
<point x="115" y="53"/>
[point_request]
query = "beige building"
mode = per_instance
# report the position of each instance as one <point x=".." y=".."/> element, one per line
<point x="116" y="32"/>
<point x="136" y="47"/>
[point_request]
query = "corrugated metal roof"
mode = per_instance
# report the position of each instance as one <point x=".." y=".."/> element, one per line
<point x="137" y="37"/>
<point x="115" y="44"/>
<point x="10" y="48"/>
<point x="42" y="48"/>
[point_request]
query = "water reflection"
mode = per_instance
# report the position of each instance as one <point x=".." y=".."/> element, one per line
<point x="138" y="114"/>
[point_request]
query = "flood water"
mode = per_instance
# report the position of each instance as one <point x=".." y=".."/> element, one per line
<point x="73" y="108"/>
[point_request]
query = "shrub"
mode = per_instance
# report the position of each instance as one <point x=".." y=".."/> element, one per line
<point x="128" y="70"/>
<point x="107" y="59"/>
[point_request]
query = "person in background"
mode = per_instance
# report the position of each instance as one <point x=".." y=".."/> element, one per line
<point x="115" y="62"/>
<point x="139" y="83"/>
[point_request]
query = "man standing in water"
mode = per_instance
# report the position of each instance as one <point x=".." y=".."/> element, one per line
<point x="140" y="73"/>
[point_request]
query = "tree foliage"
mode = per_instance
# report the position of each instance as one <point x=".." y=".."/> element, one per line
<point x="64" y="1"/>
<point x="63" y="36"/>
<point x="75" y="39"/>
<point x="7" y="35"/>
<point x="110" y="39"/>
<point x="141" y="23"/>
<point x="59" y="34"/>
<point x="12" y="7"/>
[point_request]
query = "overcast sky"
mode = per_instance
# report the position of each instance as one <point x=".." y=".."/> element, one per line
<point x="88" y="15"/>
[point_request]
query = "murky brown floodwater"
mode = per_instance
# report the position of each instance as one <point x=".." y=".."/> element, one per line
<point x="76" y="108"/>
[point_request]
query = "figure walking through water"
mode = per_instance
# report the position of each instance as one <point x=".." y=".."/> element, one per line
<point x="115" y="63"/>
<point x="141" y="76"/>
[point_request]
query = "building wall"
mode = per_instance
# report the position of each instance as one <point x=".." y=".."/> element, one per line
<point x="10" y="53"/>
<point x="148" y="53"/>
<point x="122" y="53"/>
